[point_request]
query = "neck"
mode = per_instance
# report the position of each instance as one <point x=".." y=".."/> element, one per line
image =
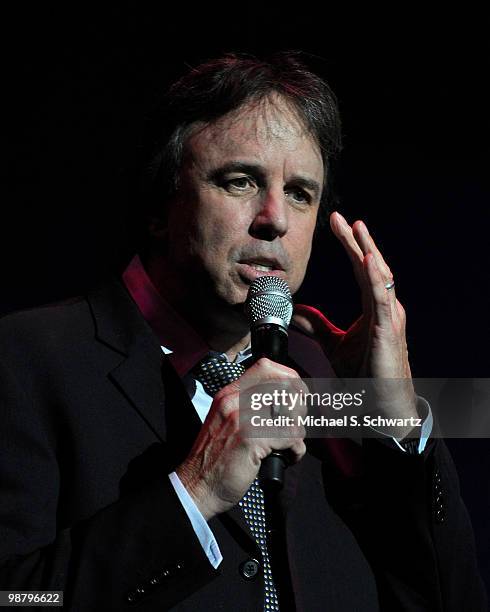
<point x="229" y="347"/>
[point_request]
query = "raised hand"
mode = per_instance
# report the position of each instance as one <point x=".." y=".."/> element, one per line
<point x="374" y="345"/>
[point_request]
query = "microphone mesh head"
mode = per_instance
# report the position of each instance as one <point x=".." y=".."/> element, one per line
<point x="269" y="297"/>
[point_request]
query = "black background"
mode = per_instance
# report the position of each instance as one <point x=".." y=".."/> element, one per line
<point x="414" y="97"/>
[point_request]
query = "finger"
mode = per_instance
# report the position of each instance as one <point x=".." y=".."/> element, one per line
<point x="367" y="245"/>
<point x="343" y="232"/>
<point x="381" y="298"/>
<point x="269" y="370"/>
<point x="298" y="450"/>
<point x="294" y="446"/>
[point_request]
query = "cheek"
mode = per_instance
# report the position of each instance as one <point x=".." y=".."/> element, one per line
<point x="299" y="250"/>
<point x="300" y="254"/>
<point x="216" y="228"/>
<point x="301" y="236"/>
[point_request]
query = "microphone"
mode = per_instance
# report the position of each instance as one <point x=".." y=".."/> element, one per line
<point x="269" y="308"/>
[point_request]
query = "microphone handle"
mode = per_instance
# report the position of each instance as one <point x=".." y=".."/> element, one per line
<point x="271" y="341"/>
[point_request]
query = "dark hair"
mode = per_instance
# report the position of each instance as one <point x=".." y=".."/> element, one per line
<point x="218" y="87"/>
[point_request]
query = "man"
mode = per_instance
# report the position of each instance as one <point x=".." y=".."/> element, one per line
<point x="123" y="480"/>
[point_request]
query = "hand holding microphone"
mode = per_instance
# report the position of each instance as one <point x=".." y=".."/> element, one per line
<point x="225" y="459"/>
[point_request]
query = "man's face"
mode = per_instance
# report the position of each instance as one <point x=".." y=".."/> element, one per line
<point x="247" y="204"/>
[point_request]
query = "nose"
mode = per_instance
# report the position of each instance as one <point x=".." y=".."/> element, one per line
<point x="271" y="220"/>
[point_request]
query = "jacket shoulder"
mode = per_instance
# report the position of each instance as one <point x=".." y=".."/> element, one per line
<point x="65" y="321"/>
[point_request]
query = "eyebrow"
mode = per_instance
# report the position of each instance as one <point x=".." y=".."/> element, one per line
<point x="237" y="166"/>
<point x="257" y="170"/>
<point x="306" y="183"/>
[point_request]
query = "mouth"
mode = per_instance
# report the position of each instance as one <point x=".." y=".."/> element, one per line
<point x="262" y="268"/>
<point x="251" y="269"/>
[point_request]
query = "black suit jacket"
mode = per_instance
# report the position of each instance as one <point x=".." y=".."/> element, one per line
<point x="93" y="418"/>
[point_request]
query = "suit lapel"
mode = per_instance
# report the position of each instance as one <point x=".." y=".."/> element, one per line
<point x="121" y="328"/>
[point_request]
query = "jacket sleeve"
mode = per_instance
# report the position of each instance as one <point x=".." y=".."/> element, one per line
<point x="410" y="521"/>
<point x="141" y="548"/>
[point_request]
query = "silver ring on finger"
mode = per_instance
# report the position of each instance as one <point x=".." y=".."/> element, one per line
<point x="390" y="285"/>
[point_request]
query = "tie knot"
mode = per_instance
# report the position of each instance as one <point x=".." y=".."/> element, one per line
<point x="215" y="373"/>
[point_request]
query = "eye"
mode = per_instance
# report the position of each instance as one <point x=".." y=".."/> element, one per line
<point x="298" y="195"/>
<point x="240" y="183"/>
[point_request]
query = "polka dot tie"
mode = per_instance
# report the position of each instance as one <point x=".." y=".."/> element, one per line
<point x="253" y="507"/>
<point x="215" y="373"/>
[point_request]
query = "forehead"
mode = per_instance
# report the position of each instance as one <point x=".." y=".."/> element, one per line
<point x="268" y="131"/>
